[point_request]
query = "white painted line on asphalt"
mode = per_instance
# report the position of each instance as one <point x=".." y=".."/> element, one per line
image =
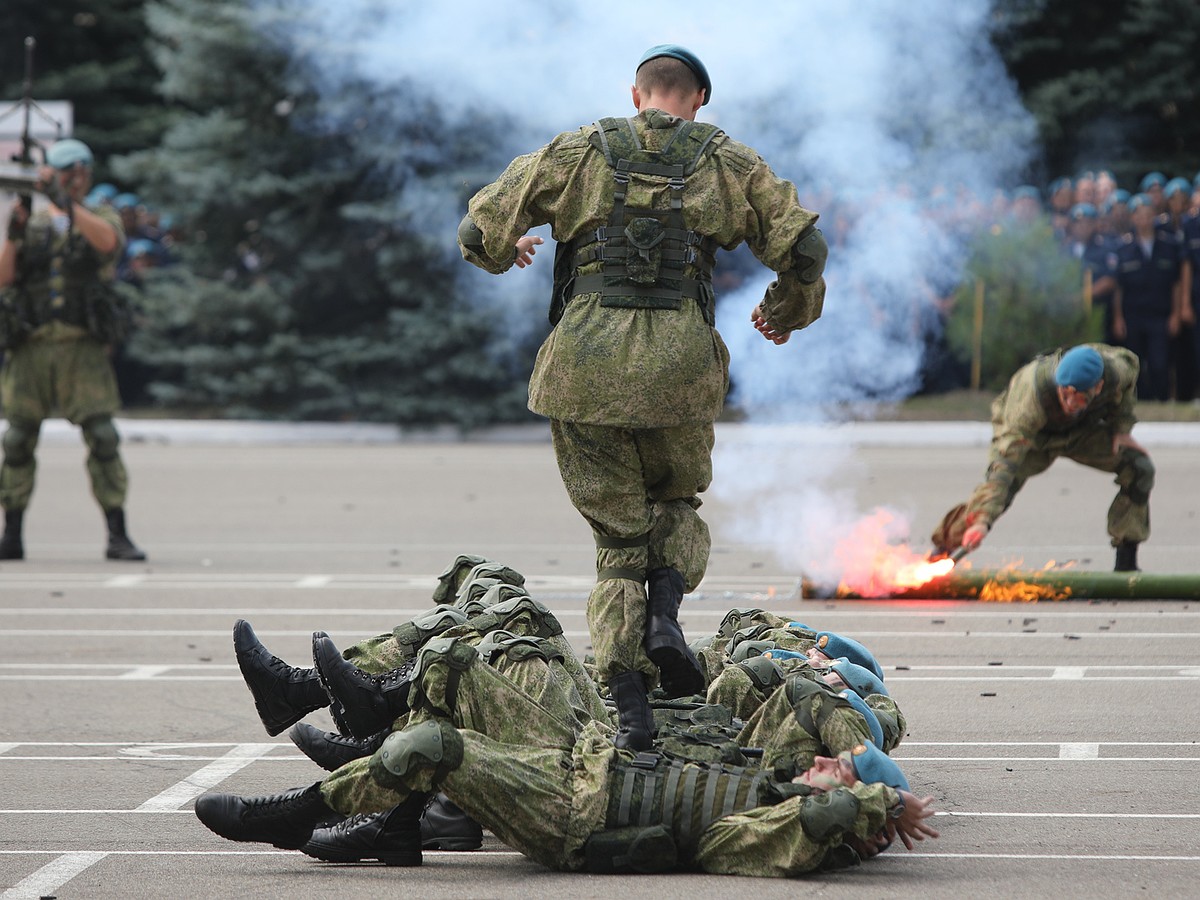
<point x="95" y="812"/>
<point x="1054" y="815"/>
<point x="50" y="877"/>
<point x="4" y="748"/>
<point x="141" y="673"/>
<point x="1069" y="672"/>
<point x="120" y="581"/>
<point x="1083" y="856"/>
<point x="206" y="778"/>
<point x="1079" y="751"/>
<point x="314" y="581"/>
<point x="482" y="851"/>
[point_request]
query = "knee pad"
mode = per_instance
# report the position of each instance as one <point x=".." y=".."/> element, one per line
<point x="101" y="436"/>
<point x="19" y="442"/>
<point x="746" y="650"/>
<point x="432" y="744"/>
<point x="826" y="815"/>
<point x="457" y="656"/>
<point x="428" y="624"/>
<point x="765" y="673"/>
<point x="516" y="647"/>
<point x="1136" y="475"/>
<point x="509" y="614"/>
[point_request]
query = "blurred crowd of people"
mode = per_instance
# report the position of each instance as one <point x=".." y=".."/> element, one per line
<point x="151" y="236"/>
<point x="1140" y="252"/>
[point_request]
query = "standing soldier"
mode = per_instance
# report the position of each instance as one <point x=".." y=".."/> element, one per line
<point x="634" y="374"/>
<point x="58" y="316"/>
<point x="1147" y="305"/>
<point x="1077" y="404"/>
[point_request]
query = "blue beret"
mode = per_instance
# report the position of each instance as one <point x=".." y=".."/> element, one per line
<point x="862" y="681"/>
<point x="1152" y="179"/>
<point x="105" y="190"/>
<point x="1059" y="184"/>
<point x="872" y="765"/>
<point x="1083" y="211"/>
<point x="1080" y="367"/>
<point x="1177" y="186"/>
<point x="1139" y="200"/>
<point x="140" y="247"/>
<point x="867" y="713"/>
<point x="125" y="201"/>
<point x="836" y="645"/>
<point x="776" y="653"/>
<point x="1120" y="195"/>
<point x="65" y="154"/>
<point x="685" y="56"/>
<point x="1027" y="192"/>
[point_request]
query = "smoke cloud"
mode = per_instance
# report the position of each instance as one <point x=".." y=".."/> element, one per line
<point x="889" y="116"/>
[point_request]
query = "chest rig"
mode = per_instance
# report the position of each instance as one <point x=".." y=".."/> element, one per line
<point x="686" y="797"/>
<point x="644" y="252"/>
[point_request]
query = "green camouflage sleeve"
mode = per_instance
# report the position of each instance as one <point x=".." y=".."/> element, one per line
<point x="529" y="193"/>
<point x="789" y="303"/>
<point x="1126" y="365"/>
<point x="1017" y="417"/>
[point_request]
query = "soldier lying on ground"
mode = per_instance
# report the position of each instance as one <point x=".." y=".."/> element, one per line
<point x="549" y="791"/>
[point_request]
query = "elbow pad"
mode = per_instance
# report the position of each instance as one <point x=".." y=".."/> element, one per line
<point x="827" y="815"/>
<point x="469" y="235"/>
<point x="810" y="251"/>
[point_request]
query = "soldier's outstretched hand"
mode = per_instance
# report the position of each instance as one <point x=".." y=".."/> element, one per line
<point x="760" y="322"/>
<point x="911" y="826"/>
<point x="525" y="251"/>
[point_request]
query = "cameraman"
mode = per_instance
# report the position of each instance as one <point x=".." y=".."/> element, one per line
<point x="59" y="314"/>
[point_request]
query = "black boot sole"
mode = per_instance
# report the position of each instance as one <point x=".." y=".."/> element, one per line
<point x="679" y="669"/>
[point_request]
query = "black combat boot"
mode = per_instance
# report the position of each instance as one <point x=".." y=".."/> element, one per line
<point x="331" y="750"/>
<point x="392" y="837"/>
<point x="11" y="546"/>
<point x="665" y="645"/>
<point x="119" y="544"/>
<point x="284" y="820"/>
<point x="1126" y="557"/>
<point x="361" y="705"/>
<point x="445" y="826"/>
<point x="282" y="694"/>
<point x="636" y="721"/>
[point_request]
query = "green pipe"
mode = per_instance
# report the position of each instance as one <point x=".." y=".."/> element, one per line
<point x="1049" y="584"/>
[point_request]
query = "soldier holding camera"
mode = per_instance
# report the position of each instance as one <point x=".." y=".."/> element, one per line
<point x="59" y="315"/>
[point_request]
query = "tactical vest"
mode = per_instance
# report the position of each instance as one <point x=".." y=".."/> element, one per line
<point x="58" y="279"/>
<point x="644" y="252"/>
<point x="685" y="797"/>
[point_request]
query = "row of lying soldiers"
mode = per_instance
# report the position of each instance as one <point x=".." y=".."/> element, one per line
<point x="478" y="714"/>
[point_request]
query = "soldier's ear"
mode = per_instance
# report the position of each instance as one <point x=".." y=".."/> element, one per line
<point x="636" y="96"/>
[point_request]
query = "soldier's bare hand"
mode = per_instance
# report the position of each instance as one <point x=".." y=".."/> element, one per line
<point x="760" y="322"/>
<point x="1121" y="441"/>
<point x="911" y="826"/>
<point x="525" y="251"/>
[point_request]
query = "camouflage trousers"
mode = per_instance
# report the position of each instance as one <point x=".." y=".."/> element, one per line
<point x="1128" y="515"/>
<point x="74" y="378"/>
<point x="528" y="704"/>
<point x="638" y="490"/>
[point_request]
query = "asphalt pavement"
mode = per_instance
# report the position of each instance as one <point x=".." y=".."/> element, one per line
<point x="1058" y="738"/>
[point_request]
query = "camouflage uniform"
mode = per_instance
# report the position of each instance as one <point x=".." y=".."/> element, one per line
<point x="1030" y="431"/>
<point x="59" y="367"/>
<point x="545" y="788"/>
<point x="632" y="393"/>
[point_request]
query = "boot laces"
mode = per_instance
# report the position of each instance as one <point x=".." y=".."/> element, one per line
<point x="275" y="804"/>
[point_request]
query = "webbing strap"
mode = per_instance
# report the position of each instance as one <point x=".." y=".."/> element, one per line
<point x="710" y="795"/>
<point x="668" y="813"/>
<point x="689" y="798"/>
<point x="611" y="573"/>
<point x="609" y="542"/>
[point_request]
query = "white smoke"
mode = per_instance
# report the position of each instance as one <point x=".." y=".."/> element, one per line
<point x="880" y="111"/>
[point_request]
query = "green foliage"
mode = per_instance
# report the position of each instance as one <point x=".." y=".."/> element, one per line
<point x="1112" y="83"/>
<point x="1032" y="301"/>
<point x="309" y="287"/>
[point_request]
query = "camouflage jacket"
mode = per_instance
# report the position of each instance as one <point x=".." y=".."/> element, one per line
<point x="1028" y="416"/>
<point x="643" y="368"/>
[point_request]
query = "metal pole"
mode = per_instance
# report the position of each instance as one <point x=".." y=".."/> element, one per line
<point x="977" y="338"/>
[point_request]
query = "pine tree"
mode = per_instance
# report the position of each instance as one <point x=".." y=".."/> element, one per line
<point x="308" y="288"/>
